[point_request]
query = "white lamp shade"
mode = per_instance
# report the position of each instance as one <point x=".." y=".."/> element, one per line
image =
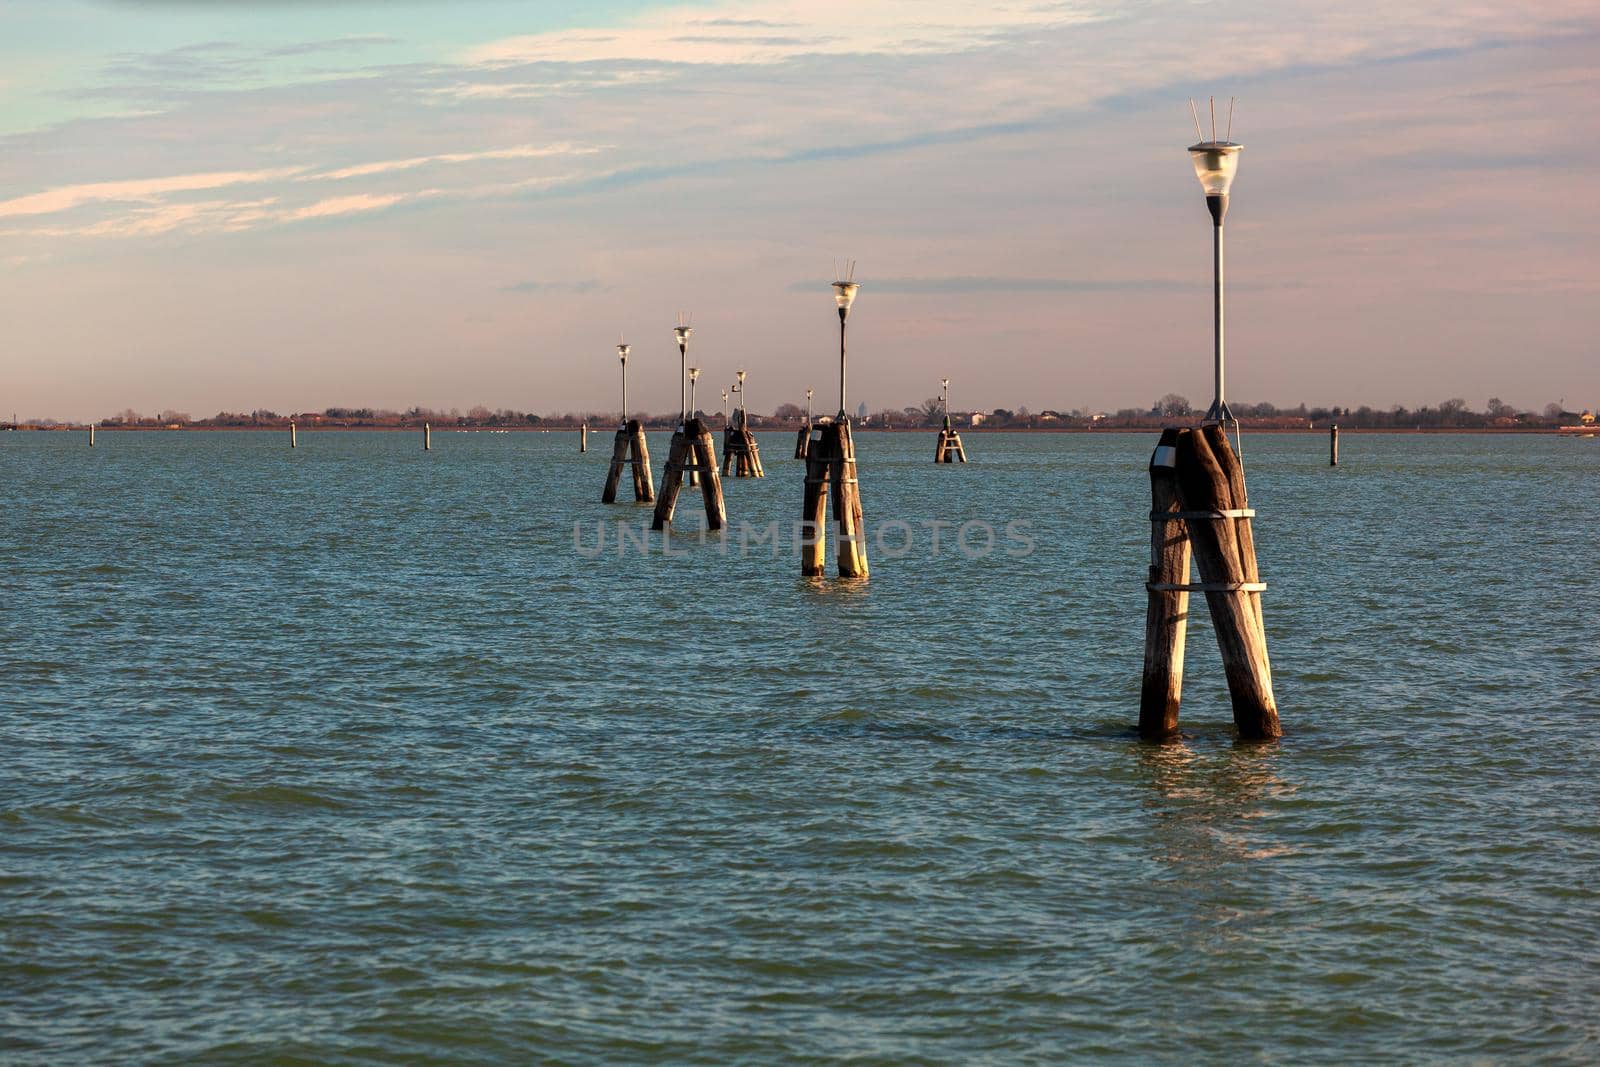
<point x="622" y="352"/>
<point x="845" y="293"/>
<point x="683" y="333"/>
<point x="1215" y="163"/>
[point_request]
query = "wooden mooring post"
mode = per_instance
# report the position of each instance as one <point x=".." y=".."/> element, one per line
<point x="1199" y="505"/>
<point x="294" y="440"/>
<point x="91" y="435"/>
<point x="583" y="438"/>
<point x="949" y="449"/>
<point x="740" y="453"/>
<point x="831" y="464"/>
<point x="1333" y="445"/>
<point x="692" y="451"/>
<point x="630" y="449"/>
<point x="427" y="437"/>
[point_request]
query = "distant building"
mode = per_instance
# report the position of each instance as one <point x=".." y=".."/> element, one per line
<point x="975" y="419"/>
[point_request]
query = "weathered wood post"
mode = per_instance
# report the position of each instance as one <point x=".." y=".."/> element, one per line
<point x="1167" y="613"/>
<point x="948" y="449"/>
<point x="427" y="437"/>
<point x="294" y="441"/>
<point x="583" y="438"/>
<point x="1333" y="445"/>
<point x="91" y="435"/>
<point x="1211" y="482"/>
<point x="740" y="453"/>
<point x="629" y="449"/>
<point x="1212" y="506"/>
<point x="831" y="476"/>
<point x="692" y="450"/>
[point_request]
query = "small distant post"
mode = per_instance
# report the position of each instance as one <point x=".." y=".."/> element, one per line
<point x="91" y="435"/>
<point x="628" y="448"/>
<point x="948" y="449"/>
<point x="583" y="438"/>
<point x="740" y="453"/>
<point x="427" y="437"/>
<point x="294" y="441"/>
<point x="1333" y="445"/>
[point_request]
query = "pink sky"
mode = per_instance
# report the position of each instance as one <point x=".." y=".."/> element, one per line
<point x="210" y="225"/>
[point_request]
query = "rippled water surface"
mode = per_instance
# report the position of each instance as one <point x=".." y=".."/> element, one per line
<point x="348" y="754"/>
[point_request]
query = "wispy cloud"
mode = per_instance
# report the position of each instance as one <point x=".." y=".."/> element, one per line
<point x="134" y="190"/>
<point x="388" y="166"/>
<point x="687" y="35"/>
<point x="342" y="205"/>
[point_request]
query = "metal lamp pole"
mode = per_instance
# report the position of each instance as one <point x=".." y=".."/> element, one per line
<point x="694" y="376"/>
<point x="946" y="383"/>
<point x="682" y="331"/>
<point x="622" y="355"/>
<point x="808" y="408"/>
<point x="1215" y="163"/>
<point x="744" y="413"/>
<point x="845" y="294"/>
<point x="724" y="407"/>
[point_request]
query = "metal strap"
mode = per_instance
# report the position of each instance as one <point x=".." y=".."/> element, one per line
<point x="1174" y="516"/>
<point x="1205" y="587"/>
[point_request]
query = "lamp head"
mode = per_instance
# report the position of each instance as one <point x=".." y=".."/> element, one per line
<point x="694" y="373"/>
<point x="808" y="394"/>
<point x="622" y="352"/>
<point x="845" y="294"/>
<point x="1215" y="163"/>
<point x="682" y="333"/>
<point x="740" y="375"/>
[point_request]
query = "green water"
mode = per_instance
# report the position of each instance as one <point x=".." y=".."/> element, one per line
<point x="356" y="754"/>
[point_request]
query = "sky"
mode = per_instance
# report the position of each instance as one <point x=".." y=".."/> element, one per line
<point x="212" y="205"/>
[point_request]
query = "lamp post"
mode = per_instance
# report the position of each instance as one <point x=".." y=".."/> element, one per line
<point x="724" y="407"/>
<point x="946" y="383"/>
<point x="622" y="355"/>
<point x="1215" y="163"/>
<point x="845" y="294"/>
<point x="744" y="414"/>
<point x="694" y="376"/>
<point x="808" y="408"/>
<point x="682" y="332"/>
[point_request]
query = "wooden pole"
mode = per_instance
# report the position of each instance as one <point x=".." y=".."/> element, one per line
<point x="644" y="490"/>
<point x="91" y="435"/>
<point x="1210" y="479"/>
<point x="619" y="459"/>
<point x="1333" y="445"/>
<point x="294" y="441"/>
<point x="814" y="510"/>
<point x="802" y="442"/>
<point x="1167" y="612"/>
<point x="847" y="509"/>
<point x="427" y="437"/>
<point x="583" y="438"/>
<point x="671" y="480"/>
<point x="704" y="455"/>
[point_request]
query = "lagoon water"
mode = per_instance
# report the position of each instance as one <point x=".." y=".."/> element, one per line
<point x="348" y="754"/>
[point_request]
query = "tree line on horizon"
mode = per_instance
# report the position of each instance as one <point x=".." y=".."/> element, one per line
<point x="1453" y="413"/>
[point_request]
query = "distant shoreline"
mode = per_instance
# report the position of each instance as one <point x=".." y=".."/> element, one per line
<point x="1549" y="431"/>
